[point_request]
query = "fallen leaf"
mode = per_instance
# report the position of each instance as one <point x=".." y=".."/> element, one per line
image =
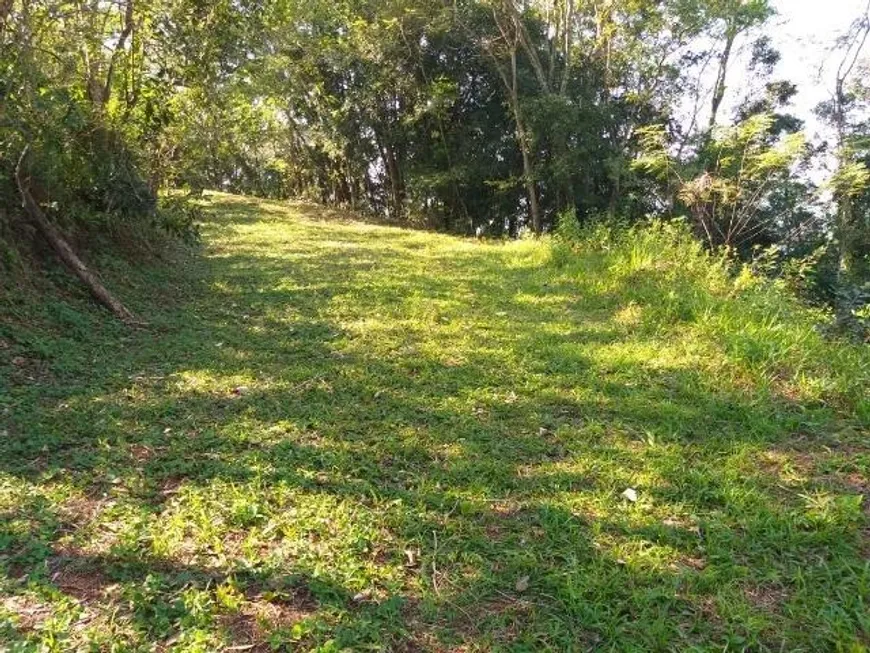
<point x="630" y="494"/>
<point x="522" y="584"/>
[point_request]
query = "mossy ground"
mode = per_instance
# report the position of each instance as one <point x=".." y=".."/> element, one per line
<point x="340" y="436"/>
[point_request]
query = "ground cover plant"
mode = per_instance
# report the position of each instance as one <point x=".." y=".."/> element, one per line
<point x="341" y="436"/>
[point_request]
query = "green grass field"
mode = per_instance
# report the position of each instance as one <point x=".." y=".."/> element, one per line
<point x="340" y="436"/>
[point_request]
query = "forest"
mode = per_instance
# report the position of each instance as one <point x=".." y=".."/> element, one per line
<point x="434" y="325"/>
<point x="475" y="117"/>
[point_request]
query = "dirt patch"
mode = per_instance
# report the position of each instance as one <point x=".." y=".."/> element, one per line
<point x="81" y="522"/>
<point x="768" y="597"/>
<point x="82" y="510"/>
<point x="505" y="518"/>
<point x="504" y="616"/>
<point x="79" y="576"/>
<point x="791" y="466"/>
<point x="253" y="623"/>
<point x="280" y="613"/>
<point x="501" y="517"/>
<point x="30" y="371"/>
<point x="422" y="636"/>
<point x="245" y="631"/>
<point x="29" y="612"/>
<point x="678" y="523"/>
<point x="141" y="453"/>
<point x="232" y="543"/>
<point x="506" y="509"/>
<point x="170" y="486"/>
<point x="89" y="587"/>
<point x="690" y="562"/>
<point x="859" y="483"/>
<point x="426" y="643"/>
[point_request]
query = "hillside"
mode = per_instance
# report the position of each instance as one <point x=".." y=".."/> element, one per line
<point x="336" y="435"/>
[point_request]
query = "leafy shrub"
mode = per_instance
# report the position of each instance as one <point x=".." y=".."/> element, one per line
<point x="179" y="217"/>
<point x="114" y="182"/>
<point x="853" y="318"/>
<point x="568" y="229"/>
<point x="816" y="280"/>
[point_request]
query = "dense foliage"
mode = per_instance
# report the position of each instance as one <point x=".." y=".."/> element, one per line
<point x="471" y="116"/>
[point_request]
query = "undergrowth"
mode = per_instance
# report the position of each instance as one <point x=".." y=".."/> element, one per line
<point x="758" y="321"/>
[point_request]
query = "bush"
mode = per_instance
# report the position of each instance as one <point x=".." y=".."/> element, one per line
<point x="179" y="217"/>
<point x="816" y="280"/>
<point x="568" y="229"/>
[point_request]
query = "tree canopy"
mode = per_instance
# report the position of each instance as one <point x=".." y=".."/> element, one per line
<point x="470" y="116"/>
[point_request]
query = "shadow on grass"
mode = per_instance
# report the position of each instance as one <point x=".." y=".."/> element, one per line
<point x="402" y="452"/>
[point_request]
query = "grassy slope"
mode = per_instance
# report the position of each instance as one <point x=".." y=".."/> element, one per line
<point x="339" y="435"/>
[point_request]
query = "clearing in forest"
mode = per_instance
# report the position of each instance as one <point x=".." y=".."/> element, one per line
<point x="340" y="436"/>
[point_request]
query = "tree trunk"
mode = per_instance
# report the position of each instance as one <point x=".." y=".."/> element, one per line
<point x="396" y="184"/>
<point x="118" y="50"/>
<point x="719" y="88"/>
<point x="528" y="177"/>
<point x="528" y="172"/>
<point x="395" y="191"/>
<point x="615" y="193"/>
<point x="66" y="253"/>
<point x="511" y="35"/>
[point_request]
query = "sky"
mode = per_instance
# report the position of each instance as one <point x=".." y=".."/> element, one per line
<point x="804" y="31"/>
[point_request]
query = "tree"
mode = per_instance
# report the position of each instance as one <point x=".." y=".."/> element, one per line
<point x="851" y="178"/>
<point x="726" y="199"/>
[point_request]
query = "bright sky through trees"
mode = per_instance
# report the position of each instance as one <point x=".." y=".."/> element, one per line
<point x="805" y="32"/>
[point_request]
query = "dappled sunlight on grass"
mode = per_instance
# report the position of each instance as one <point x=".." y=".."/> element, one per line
<point x="343" y="432"/>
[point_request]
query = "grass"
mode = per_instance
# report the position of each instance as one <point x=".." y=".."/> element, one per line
<point x="339" y="436"/>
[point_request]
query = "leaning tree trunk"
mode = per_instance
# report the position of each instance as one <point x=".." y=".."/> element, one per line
<point x="65" y="252"/>
<point x="719" y="88"/>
